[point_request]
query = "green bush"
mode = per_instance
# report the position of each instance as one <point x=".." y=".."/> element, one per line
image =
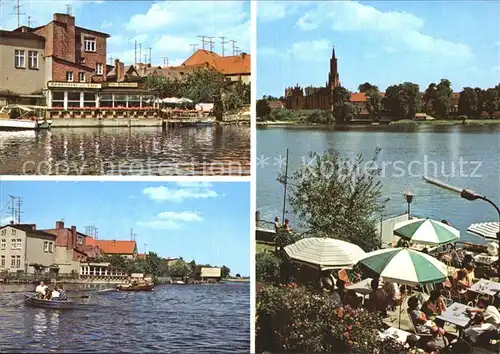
<point x="267" y="268"/>
<point x="292" y="319"/>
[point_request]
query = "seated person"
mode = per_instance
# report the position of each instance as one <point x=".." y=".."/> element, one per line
<point x="419" y="319"/>
<point x="462" y="283"/>
<point x="438" y="341"/>
<point x="490" y="312"/>
<point x="478" y="327"/>
<point x="411" y="345"/>
<point x="62" y="293"/>
<point x="339" y="294"/>
<point x="378" y="300"/>
<point x="470" y="274"/>
<point x="55" y="294"/>
<point x="41" y="289"/>
<point x="435" y="305"/>
<point x="48" y="294"/>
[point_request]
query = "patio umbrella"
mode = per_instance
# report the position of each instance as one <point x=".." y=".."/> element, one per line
<point x="325" y="253"/>
<point x="485" y="229"/>
<point x="404" y="266"/>
<point x="426" y="231"/>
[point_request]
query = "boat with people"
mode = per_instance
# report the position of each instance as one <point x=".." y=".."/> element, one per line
<point x="34" y="301"/>
<point x="24" y="117"/>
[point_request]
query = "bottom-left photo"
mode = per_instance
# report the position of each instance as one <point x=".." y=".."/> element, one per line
<point x="124" y="266"/>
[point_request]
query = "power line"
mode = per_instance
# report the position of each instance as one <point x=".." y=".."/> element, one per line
<point x="211" y="42"/>
<point x="194" y="47"/>
<point x="149" y="55"/>
<point x="234" y="46"/>
<point x="165" y="61"/>
<point x="203" y="41"/>
<point x="15" y="208"/>
<point x="132" y="235"/>
<point x="222" y="43"/>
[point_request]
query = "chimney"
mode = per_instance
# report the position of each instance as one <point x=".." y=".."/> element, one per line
<point x="69" y="38"/>
<point x="59" y="224"/>
<point x="243" y="55"/>
<point x="73" y="237"/>
<point x="12" y="222"/>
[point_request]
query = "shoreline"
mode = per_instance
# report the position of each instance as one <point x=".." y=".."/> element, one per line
<point x="441" y="122"/>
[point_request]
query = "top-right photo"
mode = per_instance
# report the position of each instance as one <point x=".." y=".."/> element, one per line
<point x="377" y="170"/>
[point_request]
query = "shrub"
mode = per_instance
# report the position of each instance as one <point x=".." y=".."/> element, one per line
<point x="267" y="268"/>
<point x="292" y="319"/>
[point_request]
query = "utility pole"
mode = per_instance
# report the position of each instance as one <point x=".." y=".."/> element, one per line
<point x="234" y="46"/>
<point x="149" y="55"/>
<point x="237" y="51"/>
<point x="222" y="43"/>
<point x="203" y="41"/>
<point x="140" y="51"/>
<point x="194" y="47"/>
<point x="211" y="42"/>
<point x="29" y="21"/>
<point x="145" y="247"/>
<point x="135" y="53"/>
<point x="132" y="235"/>
<point x="145" y="58"/>
<point x="165" y="61"/>
<point x="15" y="208"/>
<point x="110" y="60"/>
<point x="17" y="9"/>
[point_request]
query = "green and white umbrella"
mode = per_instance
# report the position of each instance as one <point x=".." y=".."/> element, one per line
<point x="426" y="231"/>
<point x="404" y="266"/>
<point x="325" y="253"/>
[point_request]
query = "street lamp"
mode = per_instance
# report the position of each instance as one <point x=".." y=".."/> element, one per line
<point x="409" y="198"/>
<point x="469" y="195"/>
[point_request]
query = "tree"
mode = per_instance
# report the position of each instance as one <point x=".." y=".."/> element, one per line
<point x="225" y="272"/>
<point x="236" y="96"/>
<point x="267" y="268"/>
<point x="164" y="87"/>
<point x="179" y="269"/>
<point x="429" y="97"/>
<point x="204" y="85"/>
<point x="342" y="107"/>
<point x="366" y="87"/>
<point x="152" y="264"/>
<point x="403" y="100"/>
<point x="480" y="101"/>
<point x="374" y="102"/>
<point x="262" y="108"/>
<point x="238" y="275"/>
<point x="338" y="197"/>
<point x="468" y="103"/>
<point x="443" y="98"/>
<point x="117" y="261"/>
<point x="491" y="101"/>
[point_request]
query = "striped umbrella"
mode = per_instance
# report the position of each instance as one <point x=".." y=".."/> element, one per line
<point x="404" y="266"/>
<point x="325" y="253"/>
<point x="426" y="231"/>
<point x="485" y="229"/>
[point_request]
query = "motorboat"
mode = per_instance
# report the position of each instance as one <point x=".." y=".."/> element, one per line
<point x="32" y="300"/>
<point x="24" y="117"/>
<point x="136" y="287"/>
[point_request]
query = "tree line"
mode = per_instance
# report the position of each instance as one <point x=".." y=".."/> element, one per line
<point x="158" y="267"/>
<point x="204" y="85"/>
<point x="404" y="100"/>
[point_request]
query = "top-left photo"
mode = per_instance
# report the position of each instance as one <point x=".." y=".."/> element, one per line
<point x="142" y="88"/>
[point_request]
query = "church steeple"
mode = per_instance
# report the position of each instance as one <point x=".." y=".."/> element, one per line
<point x="333" y="51"/>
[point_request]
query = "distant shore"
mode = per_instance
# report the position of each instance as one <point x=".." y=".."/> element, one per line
<point x="297" y="123"/>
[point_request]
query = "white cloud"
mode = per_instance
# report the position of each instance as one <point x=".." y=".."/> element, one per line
<point x="169" y="43"/>
<point x="106" y="24"/>
<point x="170" y="220"/>
<point x="268" y="11"/>
<point x="394" y="28"/>
<point x="195" y="184"/>
<point x="497" y="43"/>
<point x="163" y="193"/>
<point x="304" y="50"/>
<point x="6" y="220"/>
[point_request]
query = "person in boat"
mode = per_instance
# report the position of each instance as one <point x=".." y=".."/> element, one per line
<point x="41" y="289"/>
<point x="63" y="296"/>
<point x="54" y="295"/>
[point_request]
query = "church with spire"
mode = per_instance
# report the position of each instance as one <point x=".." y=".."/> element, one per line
<point x="314" y="97"/>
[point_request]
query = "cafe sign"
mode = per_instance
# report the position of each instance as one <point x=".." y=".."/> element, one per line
<point x="81" y="85"/>
<point x="122" y="84"/>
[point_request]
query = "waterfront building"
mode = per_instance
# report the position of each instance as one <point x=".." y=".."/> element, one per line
<point x="211" y="274"/>
<point x="22" y="67"/>
<point x="126" y="249"/>
<point x="22" y="247"/>
<point x="101" y="271"/>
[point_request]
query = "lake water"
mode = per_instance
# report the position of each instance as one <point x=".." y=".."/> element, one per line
<point x="220" y="150"/>
<point x="187" y="319"/>
<point x="408" y="153"/>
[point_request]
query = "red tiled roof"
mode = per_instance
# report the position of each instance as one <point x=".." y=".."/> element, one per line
<point x="230" y="65"/>
<point x="275" y="104"/>
<point x="112" y="246"/>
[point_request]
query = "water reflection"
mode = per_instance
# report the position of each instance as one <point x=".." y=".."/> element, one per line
<point x="221" y="150"/>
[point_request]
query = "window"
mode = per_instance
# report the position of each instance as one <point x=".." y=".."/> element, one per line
<point x="3" y="244"/>
<point x="12" y="231"/>
<point x="32" y="59"/>
<point x="19" y="243"/>
<point x="18" y="262"/>
<point x="99" y="68"/>
<point x="90" y="44"/>
<point x="89" y="99"/>
<point x="19" y="58"/>
<point x="57" y="99"/>
<point x="13" y="261"/>
<point x="51" y="247"/>
<point x="46" y="246"/>
<point x="81" y="77"/>
<point x="69" y="76"/>
<point x="4" y="232"/>
<point x="80" y="241"/>
<point x="74" y="99"/>
<point x="2" y="262"/>
<point x="13" y="243"/>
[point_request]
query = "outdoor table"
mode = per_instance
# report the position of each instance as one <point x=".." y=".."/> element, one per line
<point x="485" y="287"/>
<point x="485" y="259"/>
<point x="397" y="334"/>
<point x="456" y="314"/>
<point x="364" y="287"/>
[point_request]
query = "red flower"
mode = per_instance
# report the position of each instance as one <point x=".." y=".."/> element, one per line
<point x="349" y="328"/>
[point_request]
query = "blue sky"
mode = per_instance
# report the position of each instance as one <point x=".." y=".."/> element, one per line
<point x="168" y="27"/>
<point x="208" y="222"/>
<point x="382" y="42"/>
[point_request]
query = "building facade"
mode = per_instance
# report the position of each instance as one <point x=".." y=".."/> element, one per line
<point x="314" y="97"/>
<point x="22" y="246"/>
<point x="22" y="65"/>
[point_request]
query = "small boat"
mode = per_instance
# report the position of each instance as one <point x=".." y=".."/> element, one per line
<point x="138" y="287"/>
<point x="198" y="123"/>
<point x="31" y="300"/>
<point x="23" y="117"/>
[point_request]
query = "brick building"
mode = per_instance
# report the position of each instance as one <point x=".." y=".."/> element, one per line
<point x="314" y="97"/>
